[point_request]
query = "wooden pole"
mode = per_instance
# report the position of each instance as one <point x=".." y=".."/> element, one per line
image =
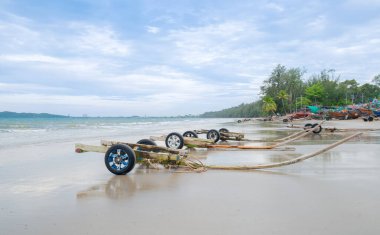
<point x="144" y="147"/>
<point x="298" y="133"/>
<point x="284" y="163"/>
<point x="161" y="156"/>
<point x="219" y="146"/>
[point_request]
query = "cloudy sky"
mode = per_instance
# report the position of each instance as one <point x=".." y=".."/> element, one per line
<point x="124" y="57"/>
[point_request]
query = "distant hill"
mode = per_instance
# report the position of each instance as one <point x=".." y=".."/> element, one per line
<point x="7" y="114"/>
<point x="241" y="111"/>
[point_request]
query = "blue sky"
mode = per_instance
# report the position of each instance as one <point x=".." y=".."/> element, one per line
<point x="112" y="58"/>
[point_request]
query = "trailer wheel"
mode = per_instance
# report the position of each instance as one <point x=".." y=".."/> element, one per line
<point x="147" y="142"/>
<point x="223" y="130"/>
<point x="317" y="130"/>
<point x="120" y="159"/>
<point x="370" y="119"/>
<point x="191" y="134"/>
<point x="213" y="135"/>
<point x="174" y="141"/>
<point x="307" y="126"/>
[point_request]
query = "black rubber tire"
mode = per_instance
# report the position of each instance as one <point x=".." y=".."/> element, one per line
<point x="317" y="130"/>
<point x="124" y="150"/>
<point x="174" y="136"/>
<point x="307" y="126"/>
<point x="224" y="130"/>
<point x="370" y="119"/>
<point x="190" y="134"/>
<point x="213" y="135"/>
<point x="147" y="142"/>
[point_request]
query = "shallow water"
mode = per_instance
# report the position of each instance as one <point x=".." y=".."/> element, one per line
<point x="47" y="188"/>
<point x="25" y="131"/>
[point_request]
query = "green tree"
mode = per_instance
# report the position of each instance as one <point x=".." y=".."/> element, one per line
<point x="315" y="92"/>
<point x="368" y="91"/>
<point x="269" y="106"/>
<point x="281" y="78"/>
<point x="344" y="91"/>
<point x="243" y="110"/>
<point x="302" y="102"/>
<point x="329" y="82"/>
<point x="282" y="95"/>
<point x="376" y="80"/>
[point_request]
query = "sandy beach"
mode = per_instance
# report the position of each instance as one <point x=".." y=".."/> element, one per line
<point x="47" y="188"/>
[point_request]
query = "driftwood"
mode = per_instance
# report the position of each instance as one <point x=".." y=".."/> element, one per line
<point x="201" y="131"/>
<point x="224" y="135"/>
<point x="81" y="148"/>
<point x="295" y="136"/>
<point x="188" y="141"/>
<point x="206" y="143"/>
<point x="140" y="150"/>
<point x="144" y="147"/>
<point x="231" y="136"/>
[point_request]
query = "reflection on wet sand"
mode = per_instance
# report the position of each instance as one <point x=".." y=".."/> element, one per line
<point x="121" y="187"/>
<point x="281" y="157"/>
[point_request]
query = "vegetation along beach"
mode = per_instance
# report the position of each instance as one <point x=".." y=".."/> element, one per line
<point x="189" y="117"/>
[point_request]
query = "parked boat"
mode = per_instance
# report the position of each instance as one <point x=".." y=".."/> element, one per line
<point x="365" y="112"/>
<point x="376" y="113"/>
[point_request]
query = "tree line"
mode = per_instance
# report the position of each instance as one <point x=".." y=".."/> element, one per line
<point x="286" y="90"/>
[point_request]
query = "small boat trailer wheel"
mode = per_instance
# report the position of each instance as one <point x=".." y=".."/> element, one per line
<point x="174" y="141"/>
<point x="223" y="130"/>
<point x="191" y="134"/>
<point x="147" y="142"/>
<point x="213" y="135"/>
<point x="307" y="126"/>
<point x="120" y="159"/>
<point x="311" y="126"/>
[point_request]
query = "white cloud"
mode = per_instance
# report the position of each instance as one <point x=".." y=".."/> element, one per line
<point x="160" y="89"/>
<point x="99" y="39"/>
<point x="206" y="44"/>
<point x="160" y="81"/>
<point x="152" y="29"/>
<point x="18" y="88"/>
<point x="17" y="35"/>
<point x="274" y="6"/>
<point x="31" y="58"/>
<point x="45" y="64"/>
<point x="361" y="3"/>
<point x="318" y="24"/>
<point x="21" y="35"/>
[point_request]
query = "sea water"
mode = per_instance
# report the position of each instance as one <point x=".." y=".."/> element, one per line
<point x="23" y="131"/>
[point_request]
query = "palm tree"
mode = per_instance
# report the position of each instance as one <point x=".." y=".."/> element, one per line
<point x="269" y="106"/>
<point x="282" y="95"/>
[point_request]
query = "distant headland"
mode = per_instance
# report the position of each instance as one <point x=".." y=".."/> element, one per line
<point x="7" y="114"/>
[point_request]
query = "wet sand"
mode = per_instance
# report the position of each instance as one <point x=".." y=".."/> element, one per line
<point x="49" y="189"/>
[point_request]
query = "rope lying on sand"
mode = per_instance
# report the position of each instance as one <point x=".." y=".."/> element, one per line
<point x="199" y="167"/>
